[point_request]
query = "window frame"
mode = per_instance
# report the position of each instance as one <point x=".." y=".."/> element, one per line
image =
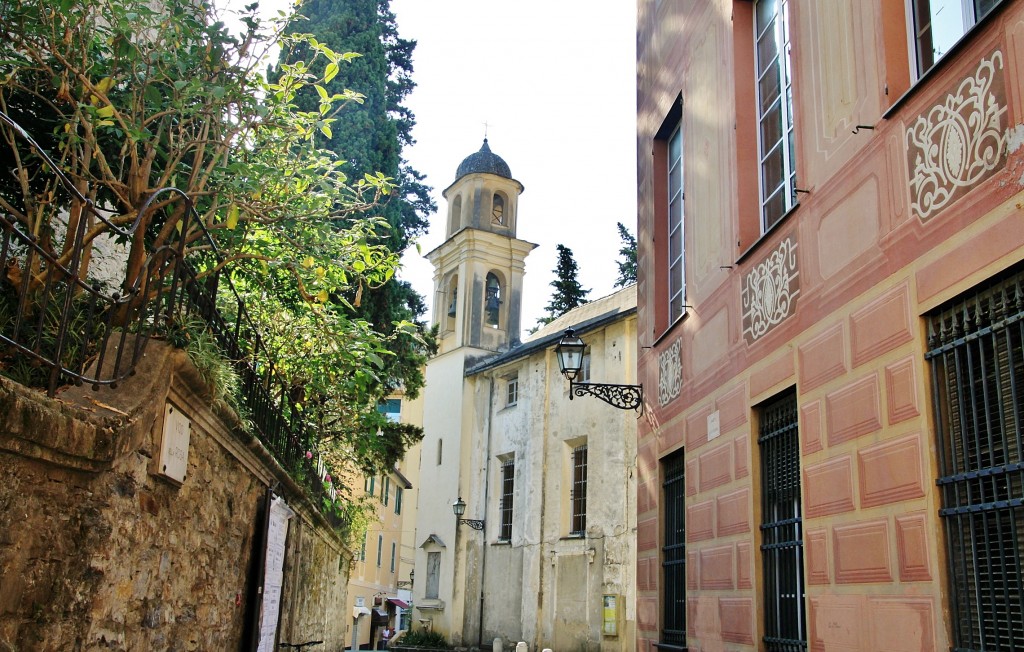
<point x="512" y="391"/>
<point x="399" y="491"/>
<point x="673" y="551"/>
<point x="505" y="505"/>
<point x="969" y="13"/>
<point x="584" y="375"/>
<point x="976" y="359"/>
<point x="578" y="491"/>
<point x="660" y="218"/>
<point x="676" y="278"/>
<point x="781" y="64"/>
<point x="394" y="549"/>
<point x="380" y="548"/>
<point x="785" y="614"/>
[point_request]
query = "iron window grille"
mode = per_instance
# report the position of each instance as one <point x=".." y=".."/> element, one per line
<point x="781" y="527"/>
<point x="776" y="147"/>
<point x="976" y="355"/>
<point x="578" y="495"/>
<point x="673" y="552"/>
<point x="508" y="469"/>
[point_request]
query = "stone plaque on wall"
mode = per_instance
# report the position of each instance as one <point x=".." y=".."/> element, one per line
<point x="173" y="461"/>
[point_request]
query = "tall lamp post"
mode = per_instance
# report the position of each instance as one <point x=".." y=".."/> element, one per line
<point x="570" y="360"/>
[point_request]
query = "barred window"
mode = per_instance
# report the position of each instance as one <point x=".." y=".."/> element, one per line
<point x="578" y="495"/>
<point x="673" y="551"/>
<point x="785" y="624"/>
<point x="508" y="471"/>
<point x="976" y="357"/>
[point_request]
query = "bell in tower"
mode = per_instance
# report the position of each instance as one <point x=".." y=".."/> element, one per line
<point x="478" y="270"/>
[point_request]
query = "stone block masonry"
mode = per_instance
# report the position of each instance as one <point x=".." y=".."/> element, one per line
<point x="97" y="552"/>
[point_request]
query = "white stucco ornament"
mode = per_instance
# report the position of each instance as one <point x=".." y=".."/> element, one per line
<point x="770" y="291"/>
<point x="960" y="141"/>
<point x="670" y="373"/>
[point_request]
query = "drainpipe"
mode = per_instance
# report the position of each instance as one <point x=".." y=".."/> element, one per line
<point x="487" y="484"/>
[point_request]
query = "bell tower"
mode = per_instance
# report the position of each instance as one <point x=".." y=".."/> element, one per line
<point x="478" y="270"/>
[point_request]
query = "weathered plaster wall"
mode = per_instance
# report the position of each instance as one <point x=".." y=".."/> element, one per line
<point x="96" y="552"/>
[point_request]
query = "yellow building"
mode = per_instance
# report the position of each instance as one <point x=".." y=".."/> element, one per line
<point x="379" y="589"/>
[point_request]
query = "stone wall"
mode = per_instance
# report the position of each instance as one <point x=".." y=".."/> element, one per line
<point x="99" y="552"/>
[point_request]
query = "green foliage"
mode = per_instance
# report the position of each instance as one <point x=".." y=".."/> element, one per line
<point x="627" y="263"/>
<point x="130" y="97"/>
<point x="425" y="639"/>
<point x="40" y="328"/>
<point x="210" y="361"/>
<point x="568" y="293"/>
<point x="370" y="138"/>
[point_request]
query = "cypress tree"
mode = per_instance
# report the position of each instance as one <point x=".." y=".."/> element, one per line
<point x="369" y="136"/>
<point x="568" y="293"/>
<point x="627" y="264"/>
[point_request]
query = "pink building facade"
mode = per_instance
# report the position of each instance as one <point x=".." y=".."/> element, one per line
<point x="831" y="324"/>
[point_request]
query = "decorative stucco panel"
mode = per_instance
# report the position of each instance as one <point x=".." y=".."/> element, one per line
<point x="670" y="373"/>
<point x="770" y="291"/>
<point x="959" y="142"/>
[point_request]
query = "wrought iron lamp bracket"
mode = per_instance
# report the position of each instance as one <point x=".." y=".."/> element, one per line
<point x="624" y="397"/>
<point x="476" y="525"/>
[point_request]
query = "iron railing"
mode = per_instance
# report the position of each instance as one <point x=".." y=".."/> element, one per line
<point x="58" y="328"/>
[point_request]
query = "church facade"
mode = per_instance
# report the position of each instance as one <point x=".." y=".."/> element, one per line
<point x="544" y="552"/>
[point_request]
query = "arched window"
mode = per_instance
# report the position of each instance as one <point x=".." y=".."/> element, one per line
<point x="498" y="209"/>
<point x="455" y="220"/>
<point x="453" y="293"/>
<point x="492" y="300"/>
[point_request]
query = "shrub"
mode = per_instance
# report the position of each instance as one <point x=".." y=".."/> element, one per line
<point x="423" y="638"/>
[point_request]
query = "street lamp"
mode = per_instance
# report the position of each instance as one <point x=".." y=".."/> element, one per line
<point x="459" y="507"/>
<point x="570" y="359"/>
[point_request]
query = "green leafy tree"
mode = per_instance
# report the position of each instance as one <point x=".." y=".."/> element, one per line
<point x="568" y="293"/>
<point x="129" y="99"/>
<point x="370" y="138"/>
<point x="627" y="262"/>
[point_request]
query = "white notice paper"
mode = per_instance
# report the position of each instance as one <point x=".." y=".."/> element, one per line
<point x="273" y="573"/>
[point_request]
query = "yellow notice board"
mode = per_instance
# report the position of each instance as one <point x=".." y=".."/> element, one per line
<point x="610" y="615"/>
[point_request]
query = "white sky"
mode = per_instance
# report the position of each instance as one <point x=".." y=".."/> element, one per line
<point x="555" y="82"/>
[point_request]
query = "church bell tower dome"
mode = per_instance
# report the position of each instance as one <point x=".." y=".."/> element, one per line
<point x="484" y="161"/>
<point x="478" y="270"/>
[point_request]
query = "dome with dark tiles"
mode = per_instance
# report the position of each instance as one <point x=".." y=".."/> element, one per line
<point x="483" y="161"/>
